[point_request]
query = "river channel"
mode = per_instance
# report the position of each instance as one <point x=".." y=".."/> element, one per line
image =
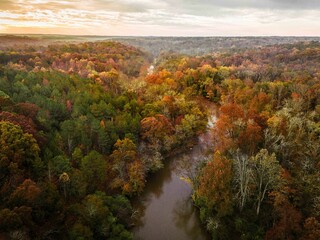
<point x="165" y="209"/>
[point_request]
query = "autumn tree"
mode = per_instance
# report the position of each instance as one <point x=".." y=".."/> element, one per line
<point x="215" y="185"/>
<point x="25" y="194"/>
<point x="19" y="154"/>
<point x="128" y="167"/>
<point x="266" y="175"/>
<point x="154" y="129"/>
<point x="288" y="217"/>
<point x="250" y="137"/>
<point x="242" y="177"/>
<point x="229" y="126"/>
<point x="27" y="124"/>
<point x="311" y="229"/>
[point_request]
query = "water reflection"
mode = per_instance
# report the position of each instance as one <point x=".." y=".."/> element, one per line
<point x="165" y="210"/>
<point x="153" y="190"/>
<point x="184" y="216"/>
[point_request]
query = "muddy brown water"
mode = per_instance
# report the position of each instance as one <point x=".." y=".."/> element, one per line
<point x="165" y="209"/>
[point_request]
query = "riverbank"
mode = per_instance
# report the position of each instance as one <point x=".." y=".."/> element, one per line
<point x="165" y="209"/>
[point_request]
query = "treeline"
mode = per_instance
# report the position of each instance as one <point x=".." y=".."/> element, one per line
<point x="80" y="130"/>
<point x="204" y="45"/>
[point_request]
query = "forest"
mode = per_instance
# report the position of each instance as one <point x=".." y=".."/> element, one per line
<point x="84" y="125"/>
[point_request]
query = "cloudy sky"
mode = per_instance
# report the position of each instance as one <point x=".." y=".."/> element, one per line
<point x="162" y="17"/>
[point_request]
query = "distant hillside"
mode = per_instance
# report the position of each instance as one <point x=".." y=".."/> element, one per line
<point x="156" y="45"/>
<point x="204" y="45"/>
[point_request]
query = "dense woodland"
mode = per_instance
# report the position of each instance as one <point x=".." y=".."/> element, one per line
<point x="263" y="180"/>
<point x="80" y="129"/>
<point x="82" y="125"/>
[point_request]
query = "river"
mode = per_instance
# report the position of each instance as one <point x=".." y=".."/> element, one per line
<point x="165" y="209"/>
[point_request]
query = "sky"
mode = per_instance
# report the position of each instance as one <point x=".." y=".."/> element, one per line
<point x="162" y="17"/>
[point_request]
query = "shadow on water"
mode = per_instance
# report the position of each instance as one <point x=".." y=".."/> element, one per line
<point x="165" y="210"/>
<point x="184" y="216"/>
<point x="152" y="191"/>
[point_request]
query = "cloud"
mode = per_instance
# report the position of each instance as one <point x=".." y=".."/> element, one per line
<point x="256" y="4"/>
<point x="163" y="17"/>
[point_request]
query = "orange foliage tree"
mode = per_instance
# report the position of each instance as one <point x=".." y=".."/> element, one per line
<point x="215" y="185"/>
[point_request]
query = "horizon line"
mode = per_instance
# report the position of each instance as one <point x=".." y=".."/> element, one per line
<point x="155" y="36"/>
